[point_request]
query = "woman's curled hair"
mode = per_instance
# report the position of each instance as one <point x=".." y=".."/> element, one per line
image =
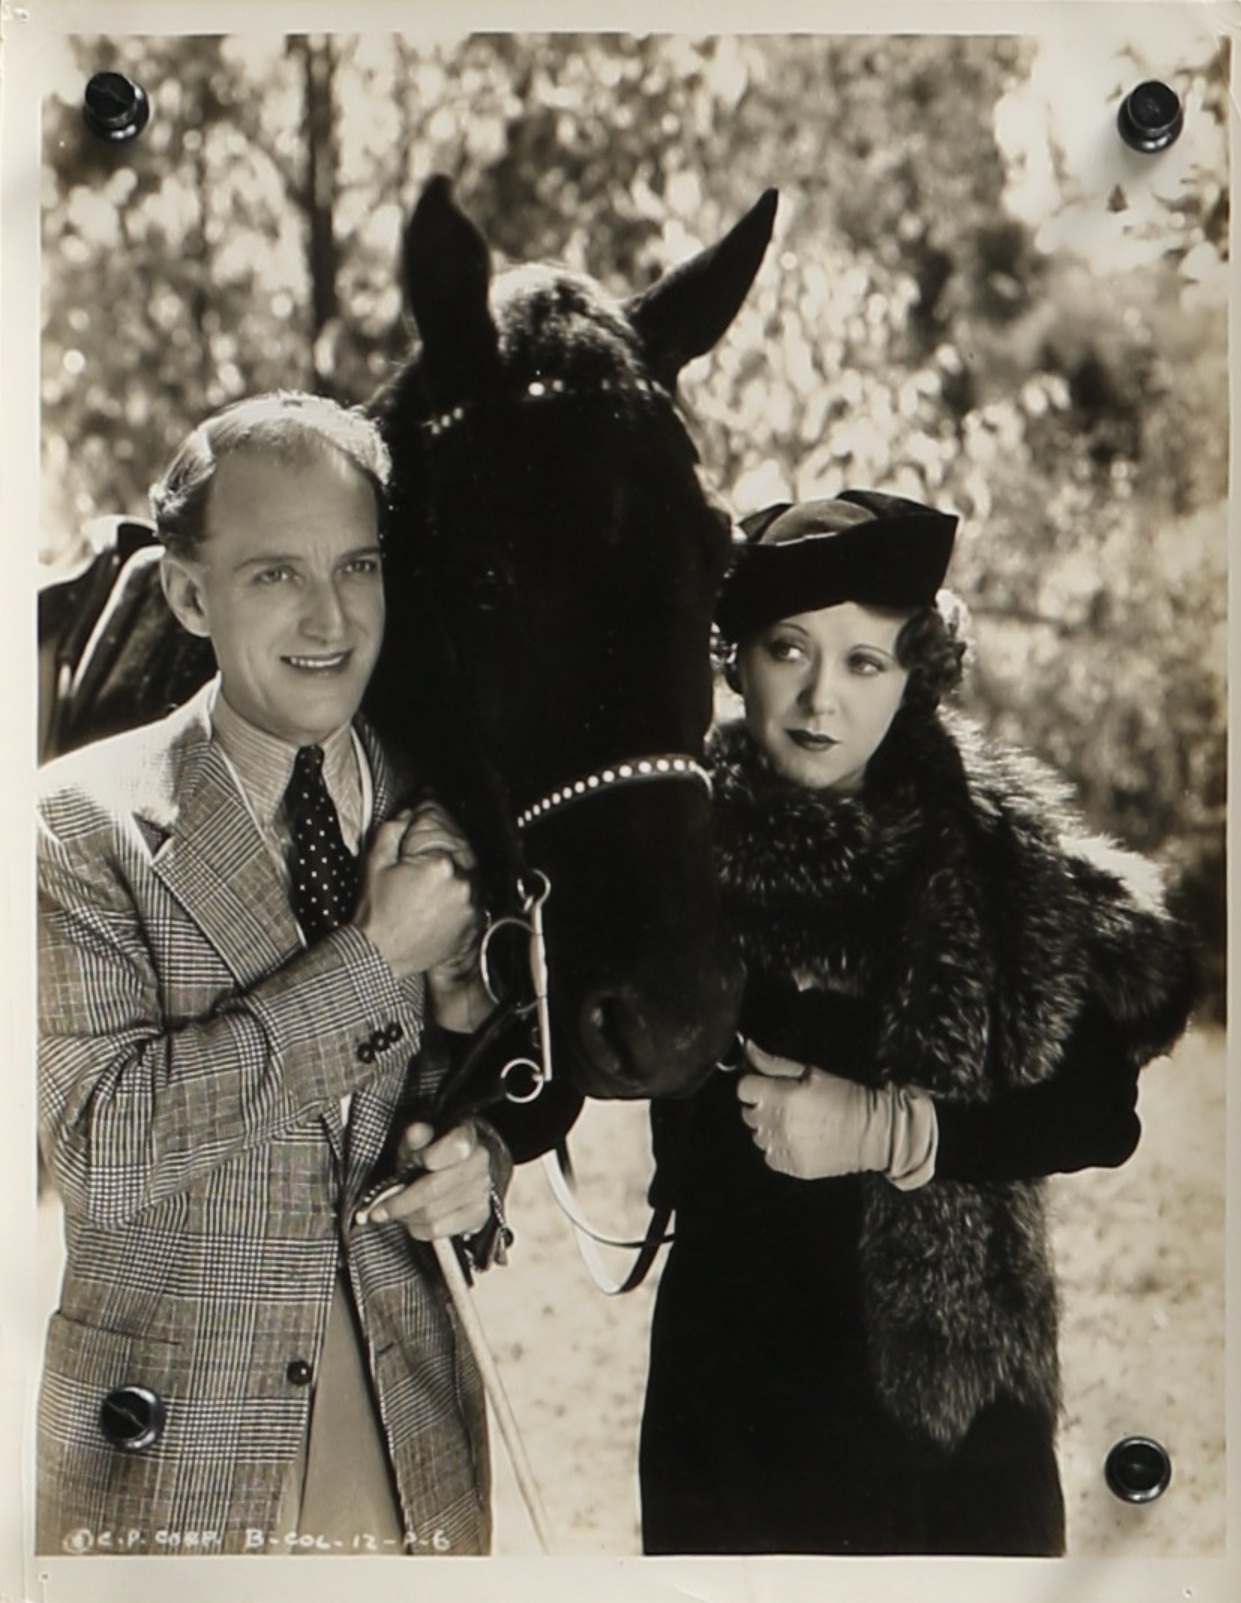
<point x="934" y="646"/>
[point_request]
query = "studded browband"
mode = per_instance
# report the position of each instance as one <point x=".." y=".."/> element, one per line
<point x="553" y="389"/>
<point x="637" y="770"/>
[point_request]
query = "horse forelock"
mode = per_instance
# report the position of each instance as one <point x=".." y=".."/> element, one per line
<point x="559" y="333"/>
<point x="553" y="323"/>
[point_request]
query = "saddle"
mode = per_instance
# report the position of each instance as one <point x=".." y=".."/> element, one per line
<point x="111" y="653"/>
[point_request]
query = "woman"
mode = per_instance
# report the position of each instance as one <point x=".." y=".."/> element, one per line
<point x="951" y="990"/>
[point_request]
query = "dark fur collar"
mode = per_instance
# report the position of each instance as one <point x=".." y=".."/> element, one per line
<point x="969" y="895"/>
<point x="778" y="841"/>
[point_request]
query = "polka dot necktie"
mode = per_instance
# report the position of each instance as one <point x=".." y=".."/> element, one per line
<point x="325" y="872"/>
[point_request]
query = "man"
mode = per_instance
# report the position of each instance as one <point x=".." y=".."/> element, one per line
<point x="243" y="1360"/>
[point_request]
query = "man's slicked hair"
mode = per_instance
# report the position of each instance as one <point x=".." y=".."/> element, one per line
<point x="286" y="426"/>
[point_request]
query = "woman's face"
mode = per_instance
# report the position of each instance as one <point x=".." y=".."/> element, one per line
<point x="820" y="690"/>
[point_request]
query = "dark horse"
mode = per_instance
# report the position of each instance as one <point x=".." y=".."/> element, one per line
<point x="551" y="565"/>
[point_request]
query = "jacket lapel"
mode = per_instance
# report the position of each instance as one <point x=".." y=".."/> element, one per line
<point x="392" y="781"/>
<point x="207" y="851"/>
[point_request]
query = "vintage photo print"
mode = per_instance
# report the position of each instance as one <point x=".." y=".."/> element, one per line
<point x="709" y="548"/>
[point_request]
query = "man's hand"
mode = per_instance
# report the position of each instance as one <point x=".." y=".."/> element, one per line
<point x="459" y="1000"/>
<point x="811" y="1124"/>
<point x="417" y="900"/>
<point x="452" y="1195"/>
<point x="431" y="831"/>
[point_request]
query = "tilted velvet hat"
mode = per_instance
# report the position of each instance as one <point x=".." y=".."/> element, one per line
<point x="878" y="550"/>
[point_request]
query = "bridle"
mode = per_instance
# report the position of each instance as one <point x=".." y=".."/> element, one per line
<point x="633" y="772"/>
<point x="521" y="1079"/>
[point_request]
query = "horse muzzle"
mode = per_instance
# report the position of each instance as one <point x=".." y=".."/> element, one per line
<point x="661" y="1041"/>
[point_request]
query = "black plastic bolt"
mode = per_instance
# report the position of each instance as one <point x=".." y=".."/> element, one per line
<point x="1150" y="117"/>
<point x="114" y="107"/>
<point x="1138" y="1470"/>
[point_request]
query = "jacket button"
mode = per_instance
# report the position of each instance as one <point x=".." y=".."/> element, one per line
<point x="393" y="1033"/>
<point x="298" y="1372"/>
<point x="132" y="1418"/>
<point x="366" y="1051"/>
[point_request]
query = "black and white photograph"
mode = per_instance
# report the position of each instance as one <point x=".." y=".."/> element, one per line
<point x="617" y="870"/>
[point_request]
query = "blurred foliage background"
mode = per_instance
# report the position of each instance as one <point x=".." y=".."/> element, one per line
<point x="977" y="296"/>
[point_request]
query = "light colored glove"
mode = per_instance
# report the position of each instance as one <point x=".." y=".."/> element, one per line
<point x="814" y="1125"/>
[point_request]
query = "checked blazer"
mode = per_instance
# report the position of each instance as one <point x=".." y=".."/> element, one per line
<point x="192" y="1061"/>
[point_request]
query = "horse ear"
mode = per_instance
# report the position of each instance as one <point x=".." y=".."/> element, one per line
<point x="685" y="312"/>
<point x="447" y="271"/>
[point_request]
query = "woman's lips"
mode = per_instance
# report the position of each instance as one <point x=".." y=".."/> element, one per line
<point x="808" y="740"/>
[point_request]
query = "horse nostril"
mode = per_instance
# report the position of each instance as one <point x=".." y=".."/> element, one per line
<point x="607" y="1037"/>
<point x="661" y="1040"/>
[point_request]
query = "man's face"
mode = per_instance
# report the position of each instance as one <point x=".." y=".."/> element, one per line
<point x="287" y="586"/>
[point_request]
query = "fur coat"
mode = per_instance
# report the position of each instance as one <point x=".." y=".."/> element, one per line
<point x="944" y="928"/>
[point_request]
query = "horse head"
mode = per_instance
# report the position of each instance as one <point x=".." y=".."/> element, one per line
<point x="552" y="563"/>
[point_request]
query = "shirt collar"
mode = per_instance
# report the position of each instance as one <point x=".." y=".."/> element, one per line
<point x="264" y="763"/>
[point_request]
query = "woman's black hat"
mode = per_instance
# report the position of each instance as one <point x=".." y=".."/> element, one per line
<point x="878" y="550"/>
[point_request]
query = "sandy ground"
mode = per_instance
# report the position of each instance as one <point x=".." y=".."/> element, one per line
<point x="1140" y="1252"/>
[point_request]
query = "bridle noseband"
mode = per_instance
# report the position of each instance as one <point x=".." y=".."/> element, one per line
<point x="636" y="771"/>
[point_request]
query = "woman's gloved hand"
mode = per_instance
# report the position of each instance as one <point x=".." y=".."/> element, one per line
<point x="814" y="1125"/>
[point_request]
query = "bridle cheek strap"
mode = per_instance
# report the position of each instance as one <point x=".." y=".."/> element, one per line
<point x="521" y="1078"/>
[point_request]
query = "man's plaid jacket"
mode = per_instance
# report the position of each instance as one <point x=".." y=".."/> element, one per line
<point x="192" y="1061"/>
